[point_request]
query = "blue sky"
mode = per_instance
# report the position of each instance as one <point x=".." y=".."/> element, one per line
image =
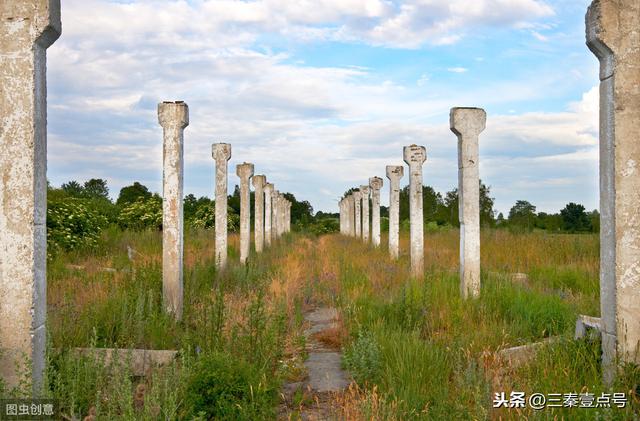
<point x="321" y="95"/>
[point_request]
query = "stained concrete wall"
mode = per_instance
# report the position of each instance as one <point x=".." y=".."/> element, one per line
<point x="28" y="28"/>
<point x="613" y="36"/>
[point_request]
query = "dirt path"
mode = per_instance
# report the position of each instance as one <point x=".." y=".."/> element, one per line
<point x="311" y="398"/>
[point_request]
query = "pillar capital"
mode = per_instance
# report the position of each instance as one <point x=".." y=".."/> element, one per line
<point x="173" y="114"/>
<point x="259" y="181"/>
<point x="375" y="183"/>
<point x="414" y="155"/>
<point x="221" y="151"/>
<point x="268" y="188"/>
<point x="395" y="172"/>
<point x="244" y="170"/>
<point x="467" y="121"/>
<point x="364" y="190"/>
<point x="39" y="19"/>
<point x="357" y="195"/>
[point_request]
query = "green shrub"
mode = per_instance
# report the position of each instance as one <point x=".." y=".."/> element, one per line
<point x="226" y="387"/>
<point x="141" y="214"/>
<point x="362" y="357"/>
<point x="71" y="225"/>
<point x="205" y="217"/>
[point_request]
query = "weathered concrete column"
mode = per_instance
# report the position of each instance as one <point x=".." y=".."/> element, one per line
<point x="364" y="189"/>
<point x="275" y="214"/>
<point x="613" y="35"/>
<point x="259" y="182"/>
<point x="282" y="213"/>
<point x="173" y="117"/>
<point x="467" y="124"/>
<point x="351" y="215"/>
<point x="268" y="222"/>
<point x="288" y="222"/>
<point x="415" y="156"/>
<point x="245" y="171"/>
<point x="28" y="28"/>
<point x="357" y="198"/>
<point x="375" y="183"/>
<point x="341" y="210"/>
<point x="221" y="154"/>
<point x="394" y="174"/>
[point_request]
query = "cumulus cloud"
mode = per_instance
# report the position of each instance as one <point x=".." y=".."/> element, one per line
<point x="313" y="130"/>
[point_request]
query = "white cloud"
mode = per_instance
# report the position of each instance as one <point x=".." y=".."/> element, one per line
<point x="457" y="69"/>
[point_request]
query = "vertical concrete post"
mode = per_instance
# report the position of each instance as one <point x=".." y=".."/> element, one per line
<point x="613" y="36"/>
<point x="415" y="156"/>
<point x="275" y="214"/>
<point x="289" y="216"/>
<point x="245" y="171"/>
<point x="341" y="210"/>
<point x="357" y="197"/>
<point x="259" y="182"/>
<point x="467" y="124"/>
<point x="221" y="154"/>
<point x="375" y="183"/>
<point x="394" y="174"/>
<point x="364" y="189"/>
<point x="28" y="28"/>
<point x="173" y="117"/>
<point x="351" y="215"/>
<point x="268" y="222"/>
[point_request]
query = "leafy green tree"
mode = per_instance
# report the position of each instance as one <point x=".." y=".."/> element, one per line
<point x="96" y="188"/>
<point x="575" y="219"/>
<point x="142" y="214"/>
<point x="73" y="188"/>
<point x="522" y="215"/>
<point x="594" y="216"/>
<point x="487" y="214"/>
<point x="131" y="194"/>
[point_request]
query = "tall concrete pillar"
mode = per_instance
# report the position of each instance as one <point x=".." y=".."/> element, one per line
<point x="173" y="117"/>
<point x="289" y="216"/>
<point x="245" y="171"/>
<point x="341" y="210"/>
<point x="394" y="174"/>
<point x="364" y="189"/>
<point x="268" y="222"/>
<point x="221" y="154"/>
<point x="282" y="213"/>
<point x="28" y="28"/>
<point x="467" y="124"/>
<point x="275" y="214"/>
<point x="375" y="183"/>
<point x="613" y="35"/>
<point x="357" y="198"/>
<point x="415" y="156"/>
<point x="351" y="215"/>
<point x="259" y="182"/>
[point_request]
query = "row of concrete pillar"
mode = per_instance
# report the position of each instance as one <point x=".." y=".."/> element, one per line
<point x="33" y="25"/>
<point x="466" y="123"/>
<point x="272" y="211"/>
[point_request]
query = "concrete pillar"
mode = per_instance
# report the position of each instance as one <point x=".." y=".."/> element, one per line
<point x="364" y="189"/>
<point x="357" y="198"/>
<point x="375" y="183"/>
<point x="221" y="154"/>
<point x="268" y="222"/>
<point x="259" y="182"/>
<point x="282" y="214"/>
<point x="394" y="174"/>
<point x="351" y="215"/>
<point x="28" y="28"/>
<point x="415" y="156"/>
<point x="275" y="214"/>
<point x="288" y="216"/>
<point x="173" y="117"/>
<point x="613" y="36"/>
<point x="245" y="171"/>
<point x="467" y="124"/>
<point x="341" y="210"/>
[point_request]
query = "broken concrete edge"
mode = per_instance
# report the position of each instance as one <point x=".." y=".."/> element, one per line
<point x="139" y="361"/>
<point x="588" y="327"/>
<point x="517" y="356"/>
